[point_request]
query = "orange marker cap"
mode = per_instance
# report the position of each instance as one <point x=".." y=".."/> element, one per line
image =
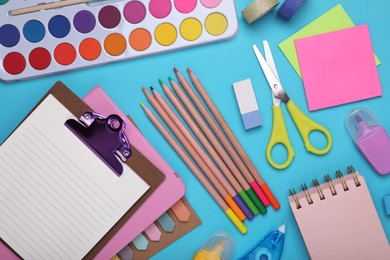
<point x="274" y="202"/>
<point x="236" y="209"/>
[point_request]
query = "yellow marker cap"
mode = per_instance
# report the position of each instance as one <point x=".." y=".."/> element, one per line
<point x="236" y="221"/>
<point x="236" y="209"/>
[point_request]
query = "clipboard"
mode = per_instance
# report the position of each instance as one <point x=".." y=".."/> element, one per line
<point x="166" y="195"/>
<point x="137" y="162"/>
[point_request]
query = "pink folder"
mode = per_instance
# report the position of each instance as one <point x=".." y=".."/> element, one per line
<point x="167" y="194"/>
<point x="6" y="253"/>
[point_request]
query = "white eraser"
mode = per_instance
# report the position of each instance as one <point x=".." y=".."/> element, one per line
<point x="247" y="104"/>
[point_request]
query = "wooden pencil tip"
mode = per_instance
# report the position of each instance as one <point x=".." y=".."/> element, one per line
<point x="175" y="70"/>
<point x="161" y="82"/>
<point x="151" y="88"/>
<point x="142" y="104"/>
<point x="170" y="79"/>
<point x="143" y="89"/>
<point x="189" y="71"/>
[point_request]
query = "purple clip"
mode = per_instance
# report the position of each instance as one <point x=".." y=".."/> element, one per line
<point x="105" y="136"/>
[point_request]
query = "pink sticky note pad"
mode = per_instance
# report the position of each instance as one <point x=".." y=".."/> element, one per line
<point x="338" y="67"/>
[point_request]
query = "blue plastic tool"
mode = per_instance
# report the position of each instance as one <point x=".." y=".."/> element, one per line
<point x="270" y="247"/>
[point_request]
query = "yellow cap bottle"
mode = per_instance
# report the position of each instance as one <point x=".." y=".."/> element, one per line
<point x="220" y="246"/>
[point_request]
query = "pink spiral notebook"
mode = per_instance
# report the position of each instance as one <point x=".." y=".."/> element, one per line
<point x="338" y="219"/>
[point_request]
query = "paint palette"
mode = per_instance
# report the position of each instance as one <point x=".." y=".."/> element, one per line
<point x="89" y="34"/>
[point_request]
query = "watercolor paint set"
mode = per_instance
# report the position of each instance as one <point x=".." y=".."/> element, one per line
<point x="38" y="39"/>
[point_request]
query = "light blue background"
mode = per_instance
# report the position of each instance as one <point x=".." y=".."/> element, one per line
<point x="218" y="66"/>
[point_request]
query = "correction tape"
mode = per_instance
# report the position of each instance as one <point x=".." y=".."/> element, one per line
<point x="219" y="246"/>
<point x="371" y="138"/>
<point x="270" y="247"/>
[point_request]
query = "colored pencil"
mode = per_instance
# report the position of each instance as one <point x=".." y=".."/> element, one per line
<point x="212" y="140"/>
<point x="228" y="146"/>
<point x="171" y="124"/>
<point x="222" y="138"/>
<point x="264" y="190"/>
<point x="236" y="186"/>
<point x="195" y="170"/>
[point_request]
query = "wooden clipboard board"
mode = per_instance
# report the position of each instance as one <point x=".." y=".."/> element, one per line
<point x="143" y="167"/>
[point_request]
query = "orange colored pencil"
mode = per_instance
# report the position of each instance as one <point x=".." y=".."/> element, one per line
<point x="207" y="145"/>
<point x="219" y="151"/>
<point x="176" y="129"/>
<point x="222" y="138"/>
<point x="264" y="192"/>
<point x="195" y="170"/>
<point x="252" y="210"/>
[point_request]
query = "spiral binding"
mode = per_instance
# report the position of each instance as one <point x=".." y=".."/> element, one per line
<point x="329" y="181"/>
<point x="330" y="184"/>
<point x="307" y="194"/>
<point x="294" y="195"/>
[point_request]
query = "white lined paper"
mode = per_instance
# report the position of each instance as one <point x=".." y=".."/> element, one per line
<point x="57" y="198"/>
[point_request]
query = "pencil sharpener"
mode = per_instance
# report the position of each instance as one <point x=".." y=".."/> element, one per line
<point x="370" y="137"/>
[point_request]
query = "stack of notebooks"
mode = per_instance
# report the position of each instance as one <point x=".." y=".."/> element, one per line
<point x="62" y="197"/>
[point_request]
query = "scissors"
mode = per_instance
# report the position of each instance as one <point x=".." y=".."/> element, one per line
<point x="279" y="132"/>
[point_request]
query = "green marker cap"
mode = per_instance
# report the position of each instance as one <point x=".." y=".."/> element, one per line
<point x="248" y="202"/>
<point x="251" y="193"/>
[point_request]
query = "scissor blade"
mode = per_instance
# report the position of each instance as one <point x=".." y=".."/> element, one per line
<point x="278" y="93"/>
<point x="270" y="76"/>
<point x="270" y="59"/>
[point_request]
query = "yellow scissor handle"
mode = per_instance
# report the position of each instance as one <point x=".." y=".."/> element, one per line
<point x="305" y="126"/>
<point x="279" y="136"/>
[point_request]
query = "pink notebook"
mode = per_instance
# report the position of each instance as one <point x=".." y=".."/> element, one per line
<point x="343" y="224"/>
